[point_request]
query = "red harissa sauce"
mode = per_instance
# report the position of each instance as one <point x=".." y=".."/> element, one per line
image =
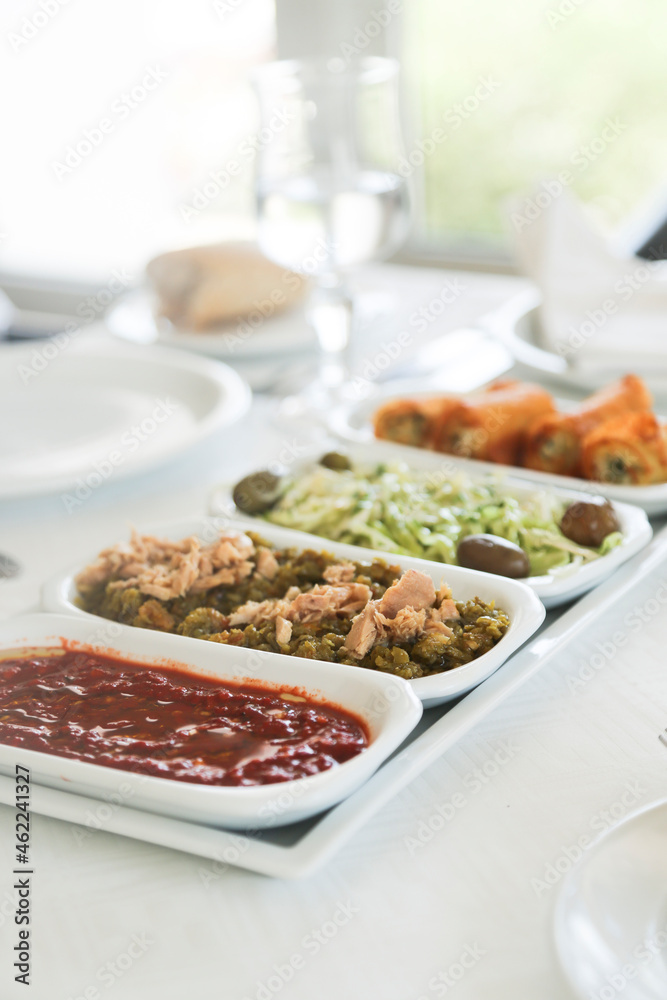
<point x="169" y="723"/>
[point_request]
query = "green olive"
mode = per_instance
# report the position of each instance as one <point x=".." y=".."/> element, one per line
<point x="493" y="555"/>
<point x="257" y="492"/>
<point x="588" y="522"/>
<point x="336" y="460"/>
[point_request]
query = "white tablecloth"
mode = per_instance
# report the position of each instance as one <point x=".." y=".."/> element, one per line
<point x="446" y="892"/>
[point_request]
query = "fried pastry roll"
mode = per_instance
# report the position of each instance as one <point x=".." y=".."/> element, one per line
<point x="630" y="449"/>
<point x="412" y="421"/>
<point x="492" y="425"/>
<point x="553" y="443"/>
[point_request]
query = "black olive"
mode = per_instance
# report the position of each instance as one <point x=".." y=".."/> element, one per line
<point x="588" y="522"/>
<point x="493" y="555"/>
<point x="336" y="460"/>
<point x="257" y="492"/>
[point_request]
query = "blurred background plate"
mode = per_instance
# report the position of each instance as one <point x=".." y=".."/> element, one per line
<point x="517" y="325"/>
<point x="100" y="410"/>
<point x="611" y="915"/>
<point x="132" y="318"/>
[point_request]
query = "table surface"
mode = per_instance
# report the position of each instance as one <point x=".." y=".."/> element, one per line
<point x="443" y="893"/>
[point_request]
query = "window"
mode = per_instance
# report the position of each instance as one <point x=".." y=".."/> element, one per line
<point x="122" y="120"/>
<point x="528" y="90"/>
<point x="126" y="121"/>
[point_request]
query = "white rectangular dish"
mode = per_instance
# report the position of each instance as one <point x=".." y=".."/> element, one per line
<point x="385" y="703"/>
<point x="525" y="610"/>
<point x="559" y="586"/>
<point x="299" y="850"/>
<point x="353" y="424"/>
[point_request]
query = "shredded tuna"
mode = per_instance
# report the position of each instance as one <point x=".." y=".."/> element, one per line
<point x="406" y="626"/>
<point x="283" y="630"/>
<point x="321" y="601"/>
<point x="257" y="612"/>
<point x="434" y="623"/>
<point x="267" y="564"/>
<point x="324" y="600"/>
<point x="403" y="613"/>
<point x="340" y="573"/>
<point x="366" y="629"/>
<point x="412" y="590"/>
<point x="447" y="610"/>
<point x="165" y="569"/>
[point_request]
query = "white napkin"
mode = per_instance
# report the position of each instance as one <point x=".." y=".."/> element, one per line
<point x="599" y="310"/>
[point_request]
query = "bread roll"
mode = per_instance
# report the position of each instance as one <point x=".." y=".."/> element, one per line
<point x="202" y="287"/>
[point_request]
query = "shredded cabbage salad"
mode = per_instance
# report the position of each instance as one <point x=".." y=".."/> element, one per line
<point x="396" y="509"/>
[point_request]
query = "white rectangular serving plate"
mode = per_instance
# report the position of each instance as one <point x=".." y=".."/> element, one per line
<point x="353" y="424"/>
<point x="553" y="589"/>
<point x="525" y="610"/>
<point x="298" y="851"/>
<point x="385" y="703"/>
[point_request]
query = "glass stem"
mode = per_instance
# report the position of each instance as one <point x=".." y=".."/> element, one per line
<point x="330" y="311"/>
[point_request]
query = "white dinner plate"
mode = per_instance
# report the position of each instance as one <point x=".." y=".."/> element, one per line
<point x="525" y="610"/>
<point x="517" y="325"/>
<point x="132" y="317"/>
<point x="352" y="422"/>
<point x="386" y="704"/>
<point x="555" y="588"/>
<point x="75" y="417"/>
<point x="611" y="914"/>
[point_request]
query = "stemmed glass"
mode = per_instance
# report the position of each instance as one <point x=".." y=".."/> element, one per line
<point x="330" y="191"/>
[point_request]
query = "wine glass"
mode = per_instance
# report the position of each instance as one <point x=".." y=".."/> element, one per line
<point x="330" y="191"/>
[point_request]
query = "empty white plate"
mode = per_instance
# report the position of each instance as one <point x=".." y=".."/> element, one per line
<point x="77" y="415"/>
<point x="611" y="915"/>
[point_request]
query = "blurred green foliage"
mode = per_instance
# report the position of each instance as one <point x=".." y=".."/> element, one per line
<point x="564" y="69"/>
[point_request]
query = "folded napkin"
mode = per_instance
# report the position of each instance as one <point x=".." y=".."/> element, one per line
<point x="599" y="309"/>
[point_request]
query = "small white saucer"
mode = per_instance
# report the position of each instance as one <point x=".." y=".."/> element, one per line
<point x="611" y="914"/>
